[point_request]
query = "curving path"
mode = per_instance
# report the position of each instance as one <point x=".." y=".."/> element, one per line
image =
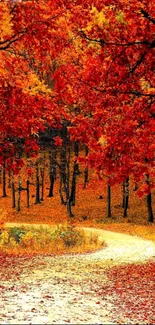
<point x="122" y="248"/>
<point x="70" y="288"/>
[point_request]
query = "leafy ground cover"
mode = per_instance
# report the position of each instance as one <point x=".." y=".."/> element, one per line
<point x="54" y="290"/>
<point x="89" y="210"/>
<point x="134" y="286"/>
<point x="61" y="289"/>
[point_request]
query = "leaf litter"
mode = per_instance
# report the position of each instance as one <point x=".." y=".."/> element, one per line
<point x="80" y="289"/>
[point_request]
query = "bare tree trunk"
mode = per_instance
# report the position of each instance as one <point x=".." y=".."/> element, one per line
<point x="69" y="208"/>
<point x="13" y="194"/>
<point x="19" y="194"/>
<point x="52" y="181"/>
<point x="149" y="207"/>
<point x="52" y="158"/>
<point x="126" y="196"/>
<point x="149" y="202"/>
<point x="42" y="174"/>
<point x="86" y="169"/>
<point x="37" y="199"/>
<point x="60" y="190"/>
<point x="109" y="201"/>
<point x="75" y="173"/>
<point x="63" y="167"/>
<point x="65" y="170"/>
<point x="4" y="179"/>
<point x="28" y="193"/>
<point x="123" y="196"/>
<point x="68" y="197"/>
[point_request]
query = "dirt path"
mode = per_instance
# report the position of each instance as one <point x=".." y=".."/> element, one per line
<point x="71" y="288"/>
<point x="121" y="248"/>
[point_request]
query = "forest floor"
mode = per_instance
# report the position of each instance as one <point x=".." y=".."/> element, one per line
<point x="114" y="285"/>
<point x="89" y="211"/>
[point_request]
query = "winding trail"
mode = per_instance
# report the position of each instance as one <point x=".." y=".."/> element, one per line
<point x="122" y="248"/>
<point x="71" y="288"/>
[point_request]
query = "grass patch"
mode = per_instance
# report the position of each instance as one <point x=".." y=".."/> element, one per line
<point x="47" y="240"/>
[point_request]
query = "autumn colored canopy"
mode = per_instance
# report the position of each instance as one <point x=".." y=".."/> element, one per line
<point x="90" y="63"/>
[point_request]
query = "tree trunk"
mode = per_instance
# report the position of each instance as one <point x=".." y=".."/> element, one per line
<point x="60" y="189"/>
<point x="52" y="158"/>
<point x="68" y="197"/>
<point x="9" y="179"/>
<point x="37" y="199"/>
<point x="126" y="196"/>
<point x="42" y="173"/>
<point x="73" y="189"/>
<point x="109" y="201"/>
<point x="28" y="193"/>
<point x="86" y="169"/>
<point x="52" y="181"/>
<point x="63" y="167"/>
<point x="149" y="208"/>
<point x="19" y="196"/>
<point x="75" y="173"/>
<point x="149" y="202"/>
<point x="4" y="179"/>
<point x="13" y="194"/>
<point x="123" y="201"/>
<point x="69" y="208"/>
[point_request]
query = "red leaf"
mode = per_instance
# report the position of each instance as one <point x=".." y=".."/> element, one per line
<point x="58" y="141"/>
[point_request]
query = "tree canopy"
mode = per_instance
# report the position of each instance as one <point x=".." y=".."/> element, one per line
<point x="90" y="63"/>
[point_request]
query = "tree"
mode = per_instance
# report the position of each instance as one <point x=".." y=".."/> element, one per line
<point x="113" y="84"/>
<point x="95" y="72"/>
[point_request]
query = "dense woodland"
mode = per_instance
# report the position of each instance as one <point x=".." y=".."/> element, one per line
<point x="77" y="161"/>
<point x="77" y="93"/>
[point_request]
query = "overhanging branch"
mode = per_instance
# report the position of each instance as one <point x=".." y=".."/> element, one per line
<point x="147" y="16"/>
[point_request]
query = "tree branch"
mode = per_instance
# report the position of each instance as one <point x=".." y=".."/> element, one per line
<point x="147" y="16"/>
<point x="114" y="92"/>
<point x="5" y="47"/>
<point x="6" y="44"/>
<point x="102" y="42"/>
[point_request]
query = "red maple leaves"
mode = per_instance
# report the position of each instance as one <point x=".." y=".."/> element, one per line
<point x="95" y="71"/>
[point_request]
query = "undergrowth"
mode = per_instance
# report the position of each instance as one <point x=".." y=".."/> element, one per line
<point x="54" y="240"/>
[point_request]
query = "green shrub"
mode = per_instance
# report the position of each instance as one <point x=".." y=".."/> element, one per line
<point x="69" y="235"/>
<point x="16" y="233"/>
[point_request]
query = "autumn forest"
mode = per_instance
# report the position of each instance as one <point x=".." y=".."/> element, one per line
<point x="77" y="153"/>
